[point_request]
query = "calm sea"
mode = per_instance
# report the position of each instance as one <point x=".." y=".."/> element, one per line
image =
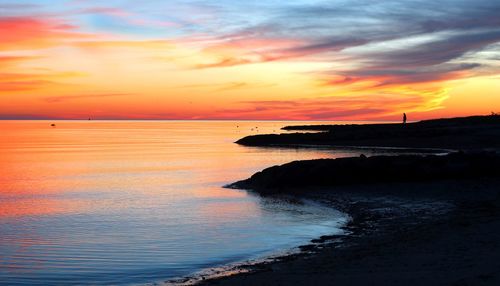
<point x="130" y="202"/>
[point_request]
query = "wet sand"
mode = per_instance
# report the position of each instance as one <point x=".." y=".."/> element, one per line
<point x="438" y="233"/>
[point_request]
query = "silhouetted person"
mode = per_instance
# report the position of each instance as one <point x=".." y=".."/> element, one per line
<point x="404" y="118"/>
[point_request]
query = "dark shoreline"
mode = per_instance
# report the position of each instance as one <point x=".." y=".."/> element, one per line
<point x="467" y="133"/>
<point x="417" y="220"/>
<point x="385" y="225"/>
<point x="298" y="176"/>
<point x="382" y="214"/>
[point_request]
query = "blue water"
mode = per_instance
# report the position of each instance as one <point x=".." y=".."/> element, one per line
<point x="134" y="202"/>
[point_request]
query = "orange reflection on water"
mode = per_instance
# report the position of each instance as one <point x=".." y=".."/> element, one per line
<point x="38" y="207"/>
<point x="127" y="164"/>
<point x="83" y="196"/>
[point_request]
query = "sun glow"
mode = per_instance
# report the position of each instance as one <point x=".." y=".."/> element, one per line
<point x="122" y="61"/>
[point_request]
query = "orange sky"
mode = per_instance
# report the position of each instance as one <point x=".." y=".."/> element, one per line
<point x="73" y="59"/>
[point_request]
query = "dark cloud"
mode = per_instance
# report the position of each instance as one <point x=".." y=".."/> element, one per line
<point x="389" y="75"/>
<point x="8" y="116"/>
<point x="441" y="50"/>
<point x="351" y="113"/>
<point x="15" y="7"/>
<point x="432" y="37"/>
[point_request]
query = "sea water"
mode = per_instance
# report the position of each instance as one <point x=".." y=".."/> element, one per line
<point x="131" y="202"/>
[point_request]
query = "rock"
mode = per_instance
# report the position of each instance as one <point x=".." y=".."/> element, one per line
<point x="307" y="247"/>
<point x="297" y="175"/>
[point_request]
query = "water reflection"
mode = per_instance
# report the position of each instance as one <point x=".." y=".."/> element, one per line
<point x="132" y="202"/>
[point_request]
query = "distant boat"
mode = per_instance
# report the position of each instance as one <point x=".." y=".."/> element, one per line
<point x="53" y="125"/>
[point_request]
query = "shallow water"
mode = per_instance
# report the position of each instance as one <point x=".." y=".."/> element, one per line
<point x="127" y="202"/>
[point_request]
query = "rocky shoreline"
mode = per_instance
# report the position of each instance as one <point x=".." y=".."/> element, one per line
<point x="298" y="176"/>
<point x="391" y="221"/>
<point x="416" y="220"/>
<point x="433" y="233"/>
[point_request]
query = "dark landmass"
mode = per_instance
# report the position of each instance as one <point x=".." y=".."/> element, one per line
<point x="415" y="220"/>
<point x="368" y="170"/>
<point x="475" y="132"/>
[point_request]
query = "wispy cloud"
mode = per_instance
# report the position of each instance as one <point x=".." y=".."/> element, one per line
<point x="325" y="30"/>
<point x="30" y="81"/>
<point x="9" y="61"/>
<point x="365" y="58"/>
<point x="64" y="98"/>
<point x="359" y="107"/>
<point x="218" y="87"/>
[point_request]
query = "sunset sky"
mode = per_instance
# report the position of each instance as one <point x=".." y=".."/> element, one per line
<point x="303" y="60"/>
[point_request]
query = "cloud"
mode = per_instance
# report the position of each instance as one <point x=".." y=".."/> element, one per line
<point x="442" y="50"/>
<point x="96" y="44"/>
<point x="111" y="11"/>
<point x="220" y="87"/>
<point x="19" y="116"/>
<point x="12" y="61"/>
<point x="352" y="107"/>
<point x="376" y="57"/>
<point x="16" y="81"/>
<point x="64" y="98"/>
<point x="389" y="76"/>
<point x="19" y="85"/>
<point x="389" y="42"/>
<point x="248" y="49"/>
<point x="12" y="7"/>
<point x="18" y="33"/>
<point x="346" y="114"/>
